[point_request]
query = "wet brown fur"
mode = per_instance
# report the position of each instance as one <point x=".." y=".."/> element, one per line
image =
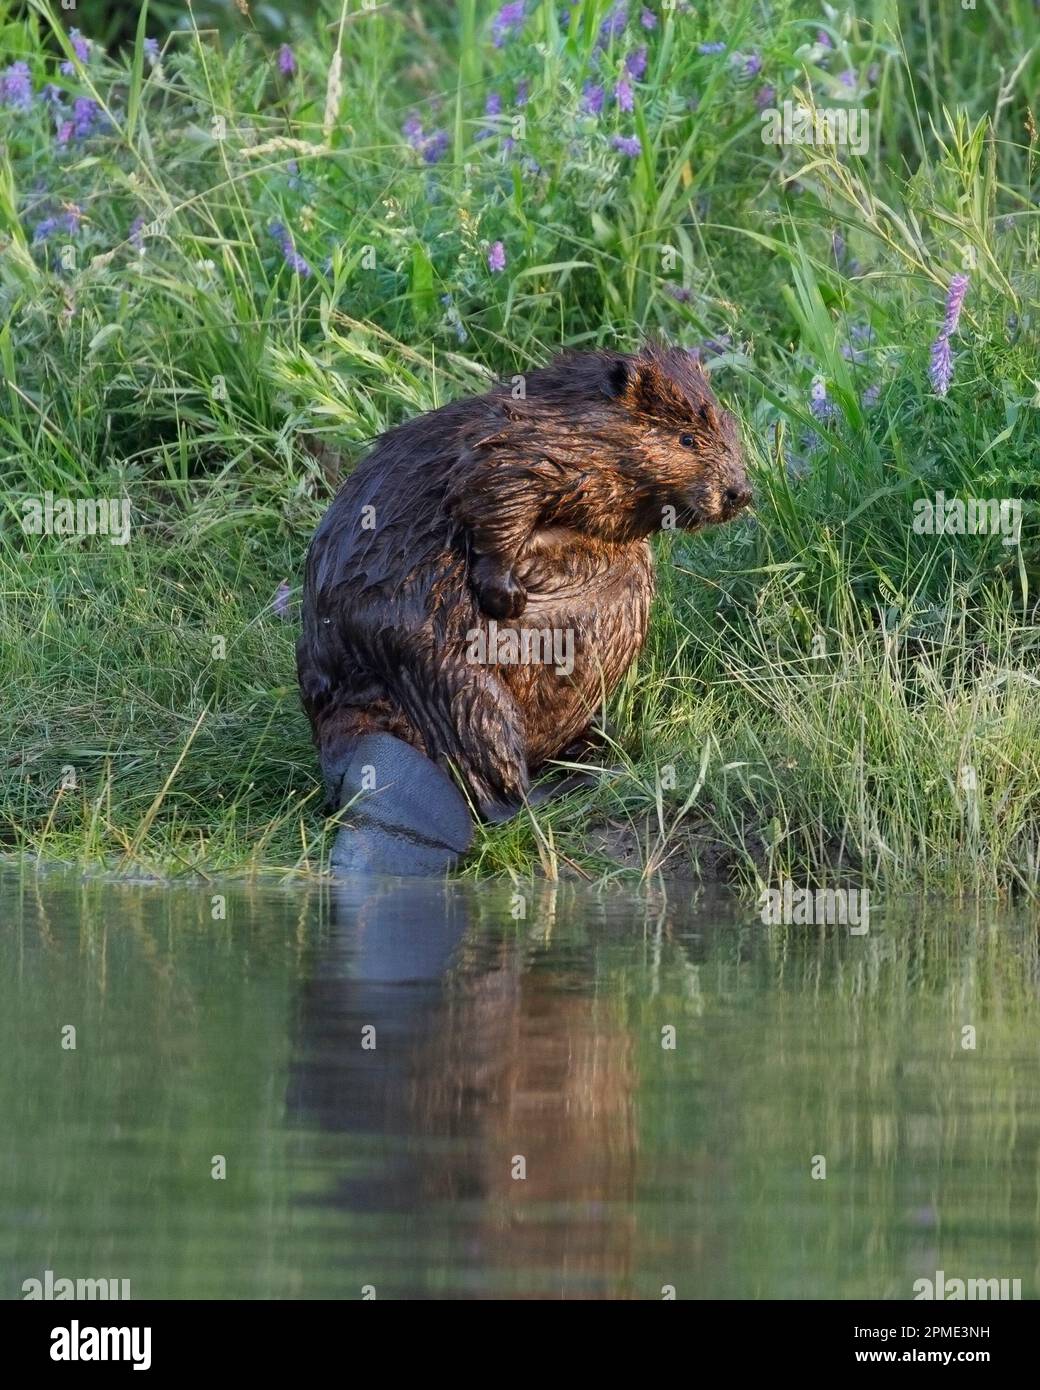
<point x="534" y="512"/>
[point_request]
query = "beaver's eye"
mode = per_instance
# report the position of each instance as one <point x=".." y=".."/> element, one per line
<point x="686" y="440"/>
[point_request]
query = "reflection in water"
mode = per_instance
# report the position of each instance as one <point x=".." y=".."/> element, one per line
<point x="500" y="1038"/>
<point x="514" y="1086"/>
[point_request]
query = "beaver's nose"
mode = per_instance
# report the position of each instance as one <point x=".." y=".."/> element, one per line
<point x="737" y="497"/>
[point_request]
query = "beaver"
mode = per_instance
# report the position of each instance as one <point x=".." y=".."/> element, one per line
<point x="477" y="541"/>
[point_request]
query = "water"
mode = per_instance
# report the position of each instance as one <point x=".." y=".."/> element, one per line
<point x="500" y="1040"/>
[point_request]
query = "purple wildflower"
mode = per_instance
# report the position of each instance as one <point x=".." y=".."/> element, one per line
<point x="648" y="20"/>
<point x="635" y="64"/>
<point x="849" y="78"/>
<point x="68" y="221"/>
<point x="509" y="20"/>
<point x="624" y="95"/>
<point x="522" y="89"/>
<point x="954" y="302"/>
<point x="679" y="293"/>
<point x="432" y="147"/>
<point x="81" y="48"/>
<point x="86" y="117"/>
<point x="280" y="602"/>
<point x="592" y="98"/>
<point x="412" y="130"/>
<point x="16" y="87"/>
<point x="708" y="48"/>
<point x="286" y="61"/>
<point x="819" y="405"/>
<point x="940" y="371"/>
<point x="492" y="107"/>
<point x="765" y="96"/>
<point x="292" y="257"/>
<point x="44" y="229"/>
<point x="435" y="146"/>
<point x="64" y="133"/>
<point x="711" y="347"/>
<point x="614" y="24"/>
<point x="52" y="95"/>
<point x="496" y="257"/>
<point x="870" y="397"/>
<point x="627" y="144"/>
<point x="151" y="50"/>
<point x="750" y="64"/>
<point x="135" y="236"/>
<point x="296" y="263"/>
<point x="824" y="39"/>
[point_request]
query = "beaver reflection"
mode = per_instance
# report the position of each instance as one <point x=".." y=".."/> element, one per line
<point x="483" y="1056"/>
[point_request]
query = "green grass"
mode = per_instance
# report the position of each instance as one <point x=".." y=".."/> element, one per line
<point x="824" y="692"/>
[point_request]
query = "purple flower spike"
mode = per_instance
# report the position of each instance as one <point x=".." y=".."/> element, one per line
<point x="592" y="98"/>
<point x="496" y="257"/>
<point x="648" y="20"/>
<point x="81" y="48"/>
<point x="412" y="130"/>
<point x="624" y="96"/>
<point x="151" y="50"/>
<point x="954" y="303"/>
<point x="86" y="118"/>
<point x="635" y="64"/>
<point x="940" y="372"/>
<point x="819" y="405"/>
<point x="508" y="21"/>
<point x="16" y="87"/>
<point x="708" y="48"/>
<point x="614" y="24"/>
<point x="627" y="144"/>
<point x="286" y="61"/>
<point x="435" y="146"/>
<point x="291" y="256"/>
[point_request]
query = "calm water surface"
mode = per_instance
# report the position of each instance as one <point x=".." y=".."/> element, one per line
<point x="502" y="1043"/>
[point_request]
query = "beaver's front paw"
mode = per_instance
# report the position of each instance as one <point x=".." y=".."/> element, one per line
<point x="498" y="591"/>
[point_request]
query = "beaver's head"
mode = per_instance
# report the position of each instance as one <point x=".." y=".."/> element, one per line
<point x="678" y="460"/>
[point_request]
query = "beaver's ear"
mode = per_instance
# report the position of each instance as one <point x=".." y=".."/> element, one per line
<point x="616" y="378"/>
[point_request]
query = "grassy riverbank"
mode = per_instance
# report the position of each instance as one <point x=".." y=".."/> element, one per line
<point x="225" y="266"/>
